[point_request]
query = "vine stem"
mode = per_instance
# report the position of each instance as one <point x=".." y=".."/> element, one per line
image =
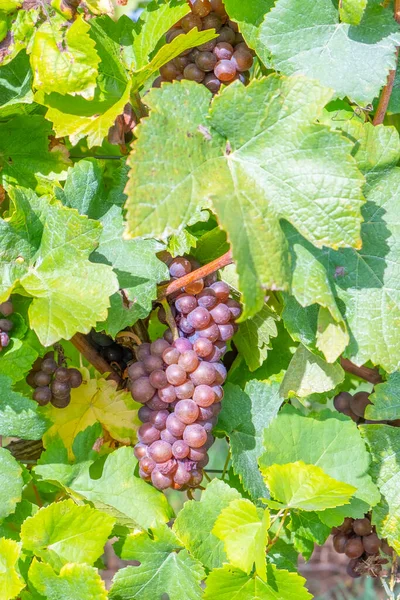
<point x="281" y="524"/>
<point x="371" y="375"/>
<point x="169" y="317"/>
<point x="100" y="364"/>
<point x="228" y="458"/>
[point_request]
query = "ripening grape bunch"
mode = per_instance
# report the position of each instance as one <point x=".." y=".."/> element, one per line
<point x="357" y="539"/>
<point x="6" y="309"/>
<point x="354" y="407"/>
<point x="179" y="382"/>
<point x="53" y="382"/>
<point x="115" y="354"/>
<point x="220" y="61"/>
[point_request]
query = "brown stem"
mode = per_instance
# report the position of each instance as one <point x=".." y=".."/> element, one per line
<point x="397" y="10"/>
<point x="278" y="531"/>
<point x="385" y="96"/>
<point x="177" y="284"/>
<point x="371" y="375"/>
<point x="95" y="359"/>
<point x="169" y="317"/>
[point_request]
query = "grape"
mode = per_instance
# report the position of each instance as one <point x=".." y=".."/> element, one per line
<point x="167" y="436"/>
<point x="221" y="290"/>
<point x="212" y="83"/>
<point x="156" y="403"/>
<point x="223" y="51"/>
<point x="160" y="481"/>
<point x="171" y="356"/>
<point x="147" y="434"/>
<point x="168" y="467"/>
<point x="182" y="474"/>
<point x="157" y="82"/>
<point x="30" y="379"/>
<point x="185" y="303"/>
<point x="144" y="413"/>
<point x="196" y="477"/>
<point x="350" y="569"/>
<point x="152" y="363"/>
<point x="220" y="373"/>
<point x="185" y="326"/>
<point x="190" y="21"/>
<point x="60" y="388"/>
<point x="386" y="549"/>
<point x="187" y="411"/>
<point x="175" y="426"/>
<point x="142" y="351"/>
<point x="181" y="62"/>
<point x="204" y="396"/>
<point x="62" y="374"/>
<point x="242" y="60"/>
<point x="49" y="366"/>
<point x="196" y="286"/>
<point x="342" y="402"/>
<point x="226" y="34"/>
<point x="210" y="440"/>
<point x="203" y="347"/>
<point x="206" y="61"/>
<point x="339" y="542"/>
<point x="346" y="526"/>
<point x="218" y="7"/>
<point x="359" y="403"/>
<point x="140" y="450"/>
<point x="101" y="339"/>
<point x="4" y="339"/>
<point x="217" y="352"/>
<point x="142" y="390"/>
<point x="160" y="451"/>
<point x="167" y="394"/>
<point x="180" y="267"/>
<point x="354" y="547"/>
<point x="147" y="464"/>
<point x="144" y="475"/>
<point x="113" y="353"/>
<point x="199" y="317"/>
<point x="136" y="370"/>
<point x="75" y="378"/>
<point x="217" y="407"/>
<point x="158" y="347"/>
<point x="60" y="401"/>
<point x="200" y="7"/>
<point x="207" y="298"/>
<point x="42" y="395"/>
<point x="6" y="325"/>
<point x="211" y="332"/>
<point x="127" y="354"/>
<point x="6" y="308"/>
<point x="212" y="21"/>
<point x="188" y="361"/>
<point x="221" y="314"/>
<point x="234" y="307"/>
<point x="180" y="449"/>
<point x="185" y="390"/>
<point x="182" y="344"/>
<point x="42" y="379"/>
<point x="194" y="435"/>
<point x="218" y="391"/>
<point x="362" y="526"/>
<point x="158" y="418"/>
<point x="205" y="413"/>
<point x="197" y="454"/>
<point x="175" y="374"/>
<point x="226" y="332"/>
<point x="204" y="374"/>
<point x="371" y="544"/>
<point x="158" y="379"/>
<point x="169" y="71"/>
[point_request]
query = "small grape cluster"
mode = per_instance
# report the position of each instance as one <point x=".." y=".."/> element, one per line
<point x="52" y="381"/>
<point x="6" y="309"/>
<point x="219" y="61"/>
<point x="354" y="407"/>
<point x="357" y="539"/>
<point x="179" y="382"/>
<point x="115" y="354"/>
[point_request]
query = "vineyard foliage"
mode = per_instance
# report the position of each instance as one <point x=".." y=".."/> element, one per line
<point x="291" y="185"/>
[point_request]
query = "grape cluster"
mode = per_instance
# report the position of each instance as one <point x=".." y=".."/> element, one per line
<point x="53" y="382"/>
<point x="354" y="407"/>
<point x="116" y="355"/>
<point x="357" y="539"/>
<point x="179" y="382"/>
<point x="219" y="61"/>
<point x="6" y="309"/>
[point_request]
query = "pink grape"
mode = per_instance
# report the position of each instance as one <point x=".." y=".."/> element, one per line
<point x="168" y="467"/>
<point x="182" y="474"/>
<point x="180" y="449"/>
<point x="159" y="346"/>
<point x="171" y="356"/>
<point x="221" y="290"/>
<point x="142" y="390"/>
<point x="205" y="412"/>
<point x="199" y="317"/>
<point x="220" y="373"/>
<point x="167" y="436"/>
<point x="160" y="481"/>
<point x="182" y="345"/>
<point x="158" y="418"/>
<point x="142" y="351"/>
<point x="160" y="451"/>
<point x="167" y="394"/>
<point x="221" y="314"/>
<point x="203" y="347"/>
<point x="211" y="332"/>
<point x="175" y="374"/>
<point x="144" y="413"/>
<point x="147" y="433"/>
<point x="219" y="393"/>
<point x="187" y="411"/>
<point x="175" y="426"/>
<point x="152" y="363"/>
<point x="197" y="454"/>
<point x="226" y="332"/>
<point x="194" y="435"/>
<point x="140" y="450"/>
<point x="185" y="390"/>
<point x="188" y="361"/>
<point x="158" y="379"/>
<point x="204" y="374"/>
<point x="204" y="395"/>
<point x="196" y="477"/>
<point x="185" y="303"/>
<point x="147" y="464"/>
<point x="156" y="403"/>
<point x="180" y="267"/>
<point x="234" y="307"/>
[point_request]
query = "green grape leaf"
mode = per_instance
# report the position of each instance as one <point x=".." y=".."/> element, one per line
<point x="194" y="523"/>
<point x="224" y="153"/>
<point x="249" y="16"/>
<point x="117" y="491"/>
<point x="245" y="414"/>
<point x="11" y="582"/>
<point x="74" y="582"/>
<point x="385" y="400"/>
<point x="25" y="160"/>
<point x="17" y="359"/>
<point x="11" y="483"/>
<point x="230" y="583"/>
<point x="244" y="530"/>
<point x="63" y="532"/>
<point x="181" y="243"/>
<point x="384" y="445"/>
<point x="307" y="529"/>
<point x="351" y="11"/>
<point x="19" y="416"/>
<point x="327" y="442"/>
<point x="78" y="117"/>
<point x="306" y="37"/>
<point x="332" y="336"/>
<point x="16" y="96"/>
<point x="165" y="568"/>
<point x="309" y="374"/>
<point x="306" y="487"/>
<point x="64" y="60"/>
<point x="283" y="554"/>
<point x="10" y="527"/>
<point x="253" y="341"/>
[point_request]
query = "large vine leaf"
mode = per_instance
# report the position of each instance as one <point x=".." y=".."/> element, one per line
<point x="16" y="96"/>
<point x="10" y="527"/>
<point x="306" y="37"/>
<point x="253" y="341"/>
<point x="307" y="529"/>
<point x="244" y="416"/>
<point x="25" y="160"/>
<point x="63" y="532"/>
<point x="11" y="483"/>
<point x="74" y="582"/>
<point x="230" y="583"/>
<point x="194" y="523"/>
<point x="95" y="401"/>
<point x="385" y="400"/>
<point x="64" y="60"/>
<point x="328" y="440"/>
<point x="244" y="530"/>
<point x="384" y="444"/>
<point x="165" y="568"/>
<point x="19" y="416"/>
<point x="241" y="154"/>
<point x="11" y="582"/>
